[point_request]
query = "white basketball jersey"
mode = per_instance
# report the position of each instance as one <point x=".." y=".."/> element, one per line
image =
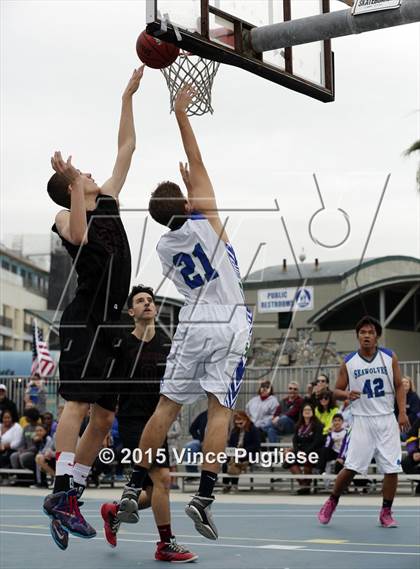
<point x="375" y="381"/>
<point x="203" y="268"/>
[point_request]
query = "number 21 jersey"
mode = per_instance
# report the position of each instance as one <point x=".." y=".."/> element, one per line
<point x="203" y="268"/>
<point x="375" y="381"/>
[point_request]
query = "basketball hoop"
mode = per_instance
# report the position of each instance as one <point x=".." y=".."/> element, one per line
<point x="196" y="71"/>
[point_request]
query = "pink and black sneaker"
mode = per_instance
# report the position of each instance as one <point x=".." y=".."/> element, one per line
<point x="386" y="520"/>
<point x="327" y="510"/>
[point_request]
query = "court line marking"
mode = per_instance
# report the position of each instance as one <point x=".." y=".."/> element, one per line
<point x="182" y="515"/>
<point x="362" y="552"/>
<point x="296" y="549"/>
<point x="239" y="538"/>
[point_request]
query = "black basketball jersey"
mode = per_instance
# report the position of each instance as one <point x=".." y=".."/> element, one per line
<point x="142" y="366"/>
<point x="103" y="264"/>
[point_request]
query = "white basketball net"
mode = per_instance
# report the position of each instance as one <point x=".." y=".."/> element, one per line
<point x="192" y="70"/>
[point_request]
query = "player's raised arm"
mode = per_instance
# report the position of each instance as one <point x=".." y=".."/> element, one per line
<point x="400" y="395"/>
<point x="71" y="225"/>
<point x="200" y="190"/>
<point x="126" y="138"/>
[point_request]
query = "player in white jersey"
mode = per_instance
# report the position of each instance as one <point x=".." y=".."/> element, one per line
<point x="371" y="379"/>
<point x="207" y="357"/>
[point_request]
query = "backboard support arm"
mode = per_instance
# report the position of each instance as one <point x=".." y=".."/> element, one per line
<point x="331" y="25"/>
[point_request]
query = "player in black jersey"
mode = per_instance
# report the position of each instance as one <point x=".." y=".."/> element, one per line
<point x="91" y="230"/>
<point x="139" y="367"/>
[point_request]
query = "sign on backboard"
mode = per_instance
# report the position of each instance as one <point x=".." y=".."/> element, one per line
<point x="218" y="30"/>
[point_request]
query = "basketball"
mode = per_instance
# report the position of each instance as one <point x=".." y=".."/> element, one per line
<point x="154" y="52"/>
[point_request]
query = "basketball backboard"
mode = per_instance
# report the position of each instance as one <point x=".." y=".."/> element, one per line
<point x="216" y="29"/>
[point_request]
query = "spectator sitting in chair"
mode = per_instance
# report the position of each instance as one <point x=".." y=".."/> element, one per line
<point x="243" y="435"/>
<point x="10" y="438"/>
<point x="286" y="415"/>
<point x="7" y="404"/>
<point x="412" y="405"/>
<point x="325" y="410"/>
<point x="307" y="438"/>
<point x="47" y="419"/>
<point x="411" y="463"/>
<point x="261" y="408"/>
<point x="24" y="456"/>
<point x="45" y="458"/>
<point x="34" y="441"/>
<point x="321" y="383"/>
<point x="30" y="418"/>
<point x="335" y="445"/>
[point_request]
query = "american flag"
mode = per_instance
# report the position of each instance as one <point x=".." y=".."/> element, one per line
<point x="42" y="361"/>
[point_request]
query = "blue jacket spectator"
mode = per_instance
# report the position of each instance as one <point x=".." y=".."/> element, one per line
<point x="36" y="394"/>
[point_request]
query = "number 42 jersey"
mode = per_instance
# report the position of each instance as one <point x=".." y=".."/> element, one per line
<point x="375" y="381"/>
<point x="203" y="268"/>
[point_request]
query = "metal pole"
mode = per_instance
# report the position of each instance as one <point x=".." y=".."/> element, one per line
<point x="331" y="25"/>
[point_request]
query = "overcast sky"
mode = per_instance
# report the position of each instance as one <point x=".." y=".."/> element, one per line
<point x="65" y="65"/>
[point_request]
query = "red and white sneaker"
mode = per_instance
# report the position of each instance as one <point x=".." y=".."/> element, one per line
<point x="111" y="522"/>
<point x="327" y="510"/>
<point x="173" y="552"/>
<point x="386" y="520"/>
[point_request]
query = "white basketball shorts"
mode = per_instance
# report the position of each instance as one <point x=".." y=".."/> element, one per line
<point x="208" y="354"/>
<point x="377" y="437"/>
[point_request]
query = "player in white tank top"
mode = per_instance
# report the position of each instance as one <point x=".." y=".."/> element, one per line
<point x="374" y="379"/>
<point x="371" y="379"/>
<point x="208" y="351"/>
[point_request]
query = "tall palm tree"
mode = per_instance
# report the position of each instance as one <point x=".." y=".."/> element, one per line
<point x="415" y="147"/>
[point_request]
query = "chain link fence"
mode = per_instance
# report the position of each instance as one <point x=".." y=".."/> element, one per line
<point x="279" y="378"/>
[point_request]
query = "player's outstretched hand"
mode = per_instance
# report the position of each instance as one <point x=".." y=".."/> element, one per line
<point x="65" y="169"/>
<point x="134" y="82"/>
<point x="185" y="173"/>
<point x="353" y="395"/>
<point x="184" y="98"/>
<point x="403" y="422"/>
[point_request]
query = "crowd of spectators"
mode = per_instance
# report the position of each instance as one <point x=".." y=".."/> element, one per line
<point x="312" y="422"/>
<point x="27" y="442"/>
